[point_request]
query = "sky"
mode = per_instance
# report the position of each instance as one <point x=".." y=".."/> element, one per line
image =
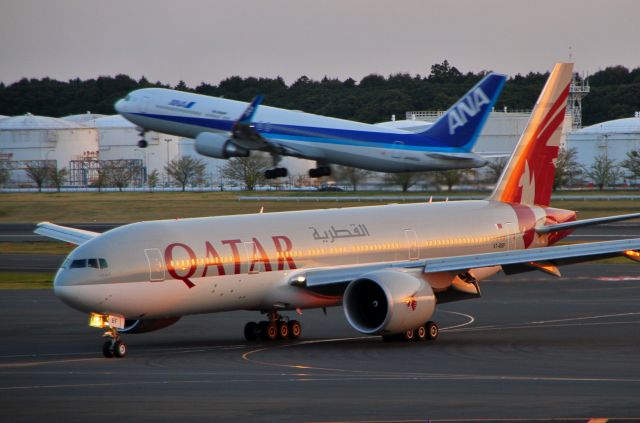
<point x="207" y="40"/>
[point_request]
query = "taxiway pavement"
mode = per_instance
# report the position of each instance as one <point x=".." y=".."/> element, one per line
<point x="533" y="346"/>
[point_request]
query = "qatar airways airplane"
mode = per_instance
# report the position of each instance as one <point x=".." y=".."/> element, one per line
<point x="387" y="266"/>
<point x="226" y="128"/>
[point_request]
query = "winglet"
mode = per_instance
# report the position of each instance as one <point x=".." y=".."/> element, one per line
<point x="461" y="125"/>
<point x="247" y="115"/>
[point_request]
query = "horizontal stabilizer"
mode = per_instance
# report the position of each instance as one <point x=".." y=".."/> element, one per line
<point x="64" y="233"/>
<point x="585" y="222"/>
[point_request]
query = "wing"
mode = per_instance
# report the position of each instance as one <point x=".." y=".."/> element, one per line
<point x="64" y="233"/>
<point x="334" y="280"/>
<point x="244" y="132"/>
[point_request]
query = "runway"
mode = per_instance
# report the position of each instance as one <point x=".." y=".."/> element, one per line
<point x="534" y="347"/>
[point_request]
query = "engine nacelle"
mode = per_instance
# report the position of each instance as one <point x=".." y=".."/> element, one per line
<point x="218" y="146"/>
<point x="147" y="325"/>
<point x="388" y="301"/>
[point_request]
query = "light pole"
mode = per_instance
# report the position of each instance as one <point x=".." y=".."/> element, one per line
<point x="168" y="140"/>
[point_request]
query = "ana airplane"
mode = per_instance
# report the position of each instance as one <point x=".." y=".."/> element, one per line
<point x="388" y="266"/>
<point x="225" y="128"/>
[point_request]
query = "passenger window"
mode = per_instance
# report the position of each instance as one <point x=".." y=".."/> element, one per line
<point x="93" y="263"/>
<point x="78" y="264"/>
<point x="103" y="263"/>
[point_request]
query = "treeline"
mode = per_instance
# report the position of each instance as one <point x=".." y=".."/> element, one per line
<point x="615" y="93"/>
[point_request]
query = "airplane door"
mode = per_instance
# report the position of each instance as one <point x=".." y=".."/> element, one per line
<point x="412" y="244"/>
<point x="396" y="151"/>
<point x="156" y="268"/>
<point x="511" y="236"/>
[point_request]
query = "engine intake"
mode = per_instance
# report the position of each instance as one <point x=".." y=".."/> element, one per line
<point x="388" y="301"/>
<point x="218" y="146"/>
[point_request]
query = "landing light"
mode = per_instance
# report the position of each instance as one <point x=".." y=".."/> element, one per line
<point x="298" y="280"/>
<point x="98" y="320"/>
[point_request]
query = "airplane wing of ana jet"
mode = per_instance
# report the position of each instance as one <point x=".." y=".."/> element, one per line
<point x="64" y="233"/>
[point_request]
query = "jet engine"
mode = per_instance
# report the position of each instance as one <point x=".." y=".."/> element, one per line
<point x="147" y="325"/>
<point x="388" y="301"/>
<point x="218" y="146"/>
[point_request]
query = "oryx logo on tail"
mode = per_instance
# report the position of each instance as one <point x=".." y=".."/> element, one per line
<point x="468" y="107"/>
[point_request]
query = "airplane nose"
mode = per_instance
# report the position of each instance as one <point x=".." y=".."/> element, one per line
<point x="68" y="292"/>
<point x="120" y="106"/>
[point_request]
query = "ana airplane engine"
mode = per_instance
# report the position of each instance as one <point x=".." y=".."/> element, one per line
<point x="388" y="301"/>
<point x="147" y="325"/>
<point x="218" y="146"/>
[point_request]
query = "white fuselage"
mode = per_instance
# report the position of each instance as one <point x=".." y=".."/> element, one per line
<point x="177" y="267"/>
<point x="294" y="133"/>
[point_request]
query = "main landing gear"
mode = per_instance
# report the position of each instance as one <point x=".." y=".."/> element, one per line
<point x="114" y="347"/>
<point x="427" y="332"/>
<point x="275" y="328"/>
<point x="320" y="171"/>
<point x="143" y="142"/>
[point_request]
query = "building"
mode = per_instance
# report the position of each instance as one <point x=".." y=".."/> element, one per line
<point x="30" y="138"/>
<point x="614" y="139"/>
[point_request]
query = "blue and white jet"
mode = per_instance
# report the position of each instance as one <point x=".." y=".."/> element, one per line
<point x="225" y="128"/>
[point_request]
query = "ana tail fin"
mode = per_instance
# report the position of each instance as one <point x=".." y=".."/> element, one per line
<point x="460" y="126"/>
<point x="528" y="176"/>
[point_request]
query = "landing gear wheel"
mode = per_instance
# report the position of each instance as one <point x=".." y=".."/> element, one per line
<point x="283" y="330"/>
<point x="421" y="333"/>
<point x="107" y="349"/>
<point x="295" y="329"/>
<point x="119" y="349"/>
<point x="319" y="172"/>
<point x="143" y="144"/>
<point x="409" y="335"/>
<point x="389" y="338"/>
<point x="251" y="331"/>
<point x="278" y="172"/>
<point x="432" y="331"/>
<point x="271" y="333"/>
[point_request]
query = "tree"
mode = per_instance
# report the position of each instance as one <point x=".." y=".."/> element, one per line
<point x="602" y="171"/>
<point x="632" y="163"/>
<point x="102" y="177"/>
<point x="249" y="170"/>
<point x="58" y="177"/>
<point x="185" y="170"/>
<point x="5" y="175"/>
<point x="450" y="177"/>
<point x="568" y="170"/>
<point x="404" y="179"/>
<point x="120" y="173"/>
<point x="153" y="178"/>
<point x="495" y="169"/>
<point x="352" y="175"/>
<point x="38" y="171"/>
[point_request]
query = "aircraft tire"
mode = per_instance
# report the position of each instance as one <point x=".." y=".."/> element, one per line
<point x="281" y="172"/>
<point x="119" y="349"/>
<point x="271" y="332"/>
<point x="283" y="330"/>
<point x="251" y="331"/>
<point x="409" y="335"/>
<point x="107" y="351"/>
<point x="421" y="333"/>
<point x="432" y="331"/>
<point x="295" y="329"/>
<point x="389" y="338"/>
<point x="143" y="144"/>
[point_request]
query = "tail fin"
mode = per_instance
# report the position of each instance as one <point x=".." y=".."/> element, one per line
<point x="528" y="176"/>
<point x="460" y="126"/>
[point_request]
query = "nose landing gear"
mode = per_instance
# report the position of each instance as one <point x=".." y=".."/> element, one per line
<point x="113" y="347"/>
<point x="276" y="327"/>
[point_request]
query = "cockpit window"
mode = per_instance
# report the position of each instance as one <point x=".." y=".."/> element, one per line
<point x="96" y="263"/>
<point x="78" y="264"/>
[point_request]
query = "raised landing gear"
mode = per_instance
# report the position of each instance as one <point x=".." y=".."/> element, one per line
<point x="278" y="172"/>
<point x="275" y="328"/>
<point x="114" y="347"/>
<point x="319" y="172"/>
<point x="427" y="332"/>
